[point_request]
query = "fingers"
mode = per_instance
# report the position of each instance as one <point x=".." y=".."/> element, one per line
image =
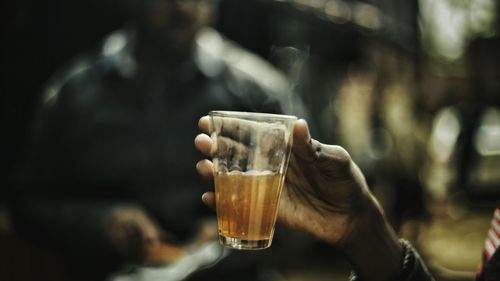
<point x="209" y="199"/>
<point x="204" y="144"/>
<point x="231" y="149"/>
<point x="205" y="168"/>
<point x="228" y="126"/>
<point x="204" y="124"/>
<point x="237" y="129"/>
<point x="131" y="230"/>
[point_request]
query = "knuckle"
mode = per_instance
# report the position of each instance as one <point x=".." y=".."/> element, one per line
<point x="338" y="155"/>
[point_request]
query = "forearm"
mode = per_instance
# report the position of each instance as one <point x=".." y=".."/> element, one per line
<point x="376" y="253"/>
<point x="374" y="250"/>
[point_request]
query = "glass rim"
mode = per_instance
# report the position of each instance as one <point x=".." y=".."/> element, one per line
<point x="247" y="114"/>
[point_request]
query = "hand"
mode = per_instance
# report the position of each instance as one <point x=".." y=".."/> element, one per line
<point x="137" y="238"/>
<point x="326" y="195"/>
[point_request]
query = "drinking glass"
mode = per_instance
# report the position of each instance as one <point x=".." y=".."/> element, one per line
<point x="250" y="156"/>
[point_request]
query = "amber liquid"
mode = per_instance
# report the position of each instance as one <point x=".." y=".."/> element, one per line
<point x="247" y="204"/>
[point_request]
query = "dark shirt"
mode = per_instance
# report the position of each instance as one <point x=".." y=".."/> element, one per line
<point x="490" y="270"/>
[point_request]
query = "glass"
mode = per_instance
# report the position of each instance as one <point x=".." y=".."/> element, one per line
<point x="251" y="152"/>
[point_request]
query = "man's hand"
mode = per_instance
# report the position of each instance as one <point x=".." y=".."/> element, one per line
<point x="136" y="237"/>
<point x="326" y="195"/>
<point x="324" y="191"/>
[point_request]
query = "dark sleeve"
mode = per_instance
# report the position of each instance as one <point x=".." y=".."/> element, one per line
<point x="48" y="164"/>
<point x="74" y="228"/>
<point x="413" y="268"/>
<point x="491" y="268"/>
<point x="51" y="207"/>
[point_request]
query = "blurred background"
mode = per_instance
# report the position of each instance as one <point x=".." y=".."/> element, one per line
<point x="410" y="88"/>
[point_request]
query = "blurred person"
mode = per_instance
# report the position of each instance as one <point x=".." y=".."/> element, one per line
<point x="108" y="179"/>
<point x="326" y="195"/>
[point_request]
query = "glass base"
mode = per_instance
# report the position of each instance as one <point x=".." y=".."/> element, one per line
<point x="241" y="244"/>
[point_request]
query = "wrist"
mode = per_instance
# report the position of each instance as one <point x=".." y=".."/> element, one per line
<point x="372" y="247"/>
<point x="411" y="269"/>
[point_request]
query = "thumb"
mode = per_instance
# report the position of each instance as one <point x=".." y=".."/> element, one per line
<point x="304" y="146"/>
